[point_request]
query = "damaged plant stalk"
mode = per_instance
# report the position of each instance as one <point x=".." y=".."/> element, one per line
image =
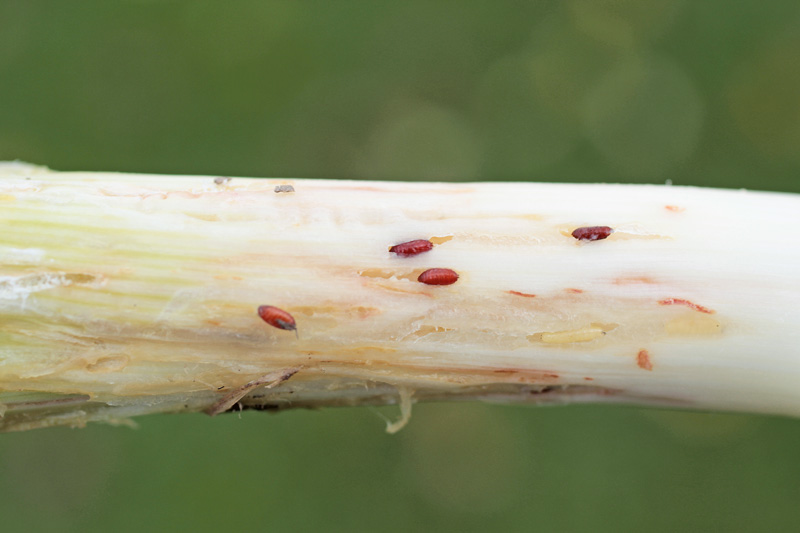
<point x="123" y="295"/>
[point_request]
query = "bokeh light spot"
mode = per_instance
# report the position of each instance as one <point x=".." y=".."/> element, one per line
<point x="704" y="429"/>
<point x="523" y="113"/>
<point x="422" y="141"/>
<point x="644" y="117"/>
<point x="463" y="458"/>
<point x="624" y="23"/>
<point x="764" y="100"/>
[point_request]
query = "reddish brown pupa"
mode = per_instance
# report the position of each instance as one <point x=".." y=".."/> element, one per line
<point x="438" y="276"/>
<point x="277" y="318"/>
<point x="592" y="233"/>
<point x="407" y="249"/>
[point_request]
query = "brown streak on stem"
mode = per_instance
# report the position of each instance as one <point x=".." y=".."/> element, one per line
<point x="525" y="294"/>
<point x="643" y="360"/>
<point x="687" y="303"/>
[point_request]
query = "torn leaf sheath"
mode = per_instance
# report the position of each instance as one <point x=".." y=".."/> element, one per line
<point x="123" y="295"/>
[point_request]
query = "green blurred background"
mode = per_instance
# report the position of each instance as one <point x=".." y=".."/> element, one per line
<point x="697" y="92"/>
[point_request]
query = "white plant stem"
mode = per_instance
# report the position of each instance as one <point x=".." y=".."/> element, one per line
<point x="123" y="295"/>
